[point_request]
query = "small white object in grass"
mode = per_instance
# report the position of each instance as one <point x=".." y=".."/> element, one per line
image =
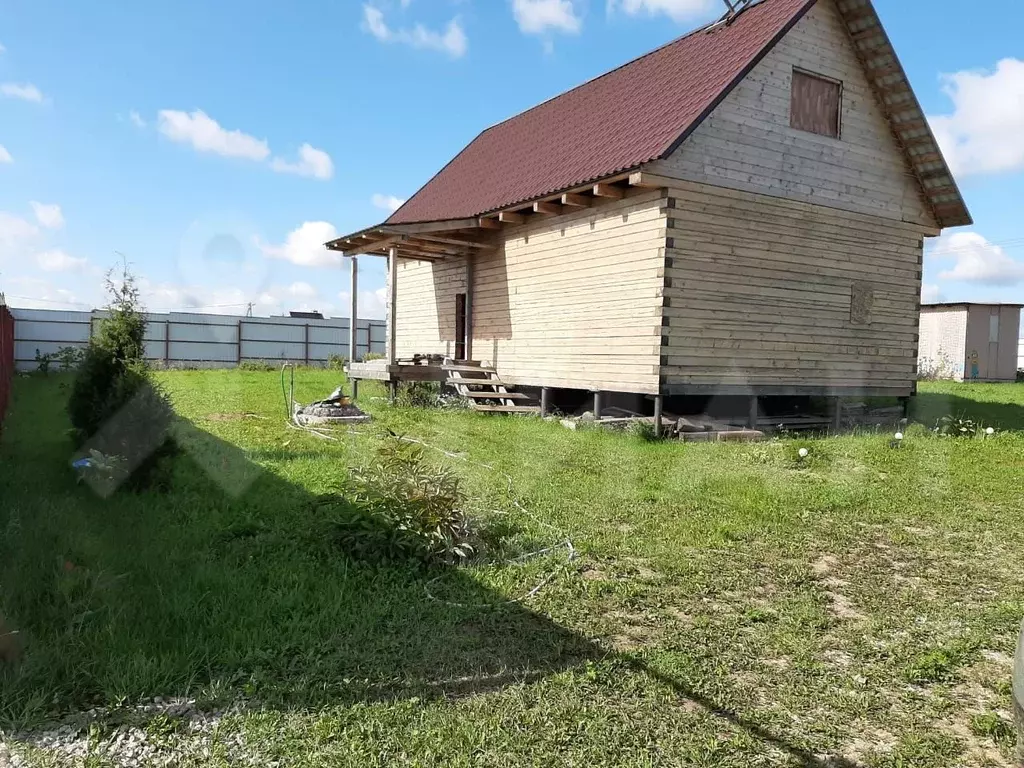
<point x="990" y="431"/>
<point x="803" y="453"/>
<point x="898" y="435"/>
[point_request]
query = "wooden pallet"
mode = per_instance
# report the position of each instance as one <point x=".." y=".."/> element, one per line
<point x="485" y="390"/>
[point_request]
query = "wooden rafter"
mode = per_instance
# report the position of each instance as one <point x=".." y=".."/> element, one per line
<point x="548" y="208"/>
<point x="508" y="217"/>
<point x="607" y="190"/>
<point x="574" y="200"/>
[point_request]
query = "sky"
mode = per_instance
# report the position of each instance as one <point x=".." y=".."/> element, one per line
<point x="215" y="147"/>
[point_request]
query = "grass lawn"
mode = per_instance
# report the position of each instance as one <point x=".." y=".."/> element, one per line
<point x="729" y="605"/>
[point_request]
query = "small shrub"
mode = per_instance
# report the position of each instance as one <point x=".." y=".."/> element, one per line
<point x="642" y="430"/>
<point x="336" y="362"/>
<point x="404" y="508"/>
<point x="43" y="363"/>
<point x="958" y="426"/>
<point x="255" y="365"/>
<point x="115" y="407"/>
<point x="372" y="356"/>
<point x="420" y="394"/>
<point x="69" y="357"/>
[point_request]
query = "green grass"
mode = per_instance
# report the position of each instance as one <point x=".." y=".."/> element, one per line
<point x="731" y="605"/>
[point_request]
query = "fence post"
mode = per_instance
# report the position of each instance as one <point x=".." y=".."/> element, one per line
<point x="306" y="344"/>
<point x="238" y="351"/>
<point x="167" y="344"/>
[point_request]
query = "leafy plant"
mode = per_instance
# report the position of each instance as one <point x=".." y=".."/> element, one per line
<point x="642" y="430"/>
<point x="43" y="363"/>
<point x="115" y="406"/>
<point x="69" y="357"/>
<point x="255" y="365"/>
<point x="372" y="356"/>
<point x="958" y="426"/>
<point x="404" y="507"/>
<point x="336" y="362"/>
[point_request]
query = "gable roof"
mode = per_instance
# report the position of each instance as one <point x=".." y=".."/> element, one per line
<point x="644" y="110"/>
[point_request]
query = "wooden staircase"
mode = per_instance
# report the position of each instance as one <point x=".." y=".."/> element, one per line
<point x="485" y="390"/>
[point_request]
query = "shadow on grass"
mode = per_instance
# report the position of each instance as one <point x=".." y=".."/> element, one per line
<point x="233" y="586"/>
<point x="929" y="407"/>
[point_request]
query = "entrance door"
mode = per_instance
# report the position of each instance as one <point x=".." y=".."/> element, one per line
<point x="460" y="326"/>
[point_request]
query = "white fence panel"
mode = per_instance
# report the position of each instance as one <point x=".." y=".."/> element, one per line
<point x="192" y="340"/>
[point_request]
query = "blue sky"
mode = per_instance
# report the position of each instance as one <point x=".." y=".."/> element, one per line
<point x="216" y="145"/>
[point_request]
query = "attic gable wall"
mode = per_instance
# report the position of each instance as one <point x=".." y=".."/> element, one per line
<point x="747" y="142"/>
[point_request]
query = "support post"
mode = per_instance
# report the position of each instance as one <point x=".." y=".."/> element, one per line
<point x="545" y="401"/>
<point x="469" y="307"/>
<point x="305" y="345"/>
<point x="659" y="405"/>
<point x="752" y="415"/>
<point x="353" y="314"/>
<point x="837" y="414"/>
<point x="167" y="343"/>
<point x="597" y="406"/>
<point x="392" y="300"/>
<point x="905" y="405"/>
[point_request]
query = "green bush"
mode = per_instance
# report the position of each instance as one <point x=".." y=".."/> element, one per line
<point x="115" y="407"/>
<point x="255" y="365"/>
<point x="372" y="356"/>
<point x="336" y="362"/>
<point x="404" y="508"/>
<point x="642" y="430"/>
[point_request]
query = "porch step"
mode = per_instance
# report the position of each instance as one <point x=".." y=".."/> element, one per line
<point x="478" y="383"/>
<point x="507" y="408"/>
<point x="473" y="395"/>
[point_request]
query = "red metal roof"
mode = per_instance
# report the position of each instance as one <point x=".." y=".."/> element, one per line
<point x="632" y="115"/>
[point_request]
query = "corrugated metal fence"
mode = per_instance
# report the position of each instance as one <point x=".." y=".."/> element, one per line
<point x="192" y="340"/>
<point x="6" y="358"/>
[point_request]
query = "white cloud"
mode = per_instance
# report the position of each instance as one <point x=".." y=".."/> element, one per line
<point x="452" y="40"/>
<point x="58" y="261"/>
<point x="49" y="216"/>
<point x="535" y="17"/>
<point x="983" y="135"/>
<point x="5" y="156"/>
<point x="930" y="293"/>
<point x="372" y="304"/>
<point x="677" y="10"/>
<point x="136" y="119"/>
<point x="14" y="229"/>
<point x="2" y="48"/>
<point x="976" y="260"/>
<point x="305" y="246"/>
<point x="388" y="203"/>
<point x="37" y="293"/>
<point x="26" y="92"/>
<point x="206" y="135"/>
<point x="312" y="162"/>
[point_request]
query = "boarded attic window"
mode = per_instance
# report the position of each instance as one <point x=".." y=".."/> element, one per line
<point x="815" y="104"/>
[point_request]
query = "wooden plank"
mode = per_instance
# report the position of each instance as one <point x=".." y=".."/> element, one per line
<point x="473" y="395"/>
<point x="507" y="409"/>
<point x="607" y="190"/>
<point x="508" y="217"/>
<point x="576" y="201"/>
<point x="488" y="223"/>
<point x="548" y="209"/>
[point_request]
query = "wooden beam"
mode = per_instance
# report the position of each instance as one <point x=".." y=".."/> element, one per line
<point x="430" y="226"/>
<point x="639" y="179"/>
<point x="489" y="223"/>
<point x="353" y="316"/>
<point x="576" y="201"/>
<point x="367" y="247"/>
<point x="606" y="190"/>
<point x="392" y="305"/>
<point x="453" y="241"/>
<point x="507" y="217"/>
<point x="550" y="209"/>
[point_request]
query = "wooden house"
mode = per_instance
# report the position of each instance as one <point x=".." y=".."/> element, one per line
<point x="739" y="212"/>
